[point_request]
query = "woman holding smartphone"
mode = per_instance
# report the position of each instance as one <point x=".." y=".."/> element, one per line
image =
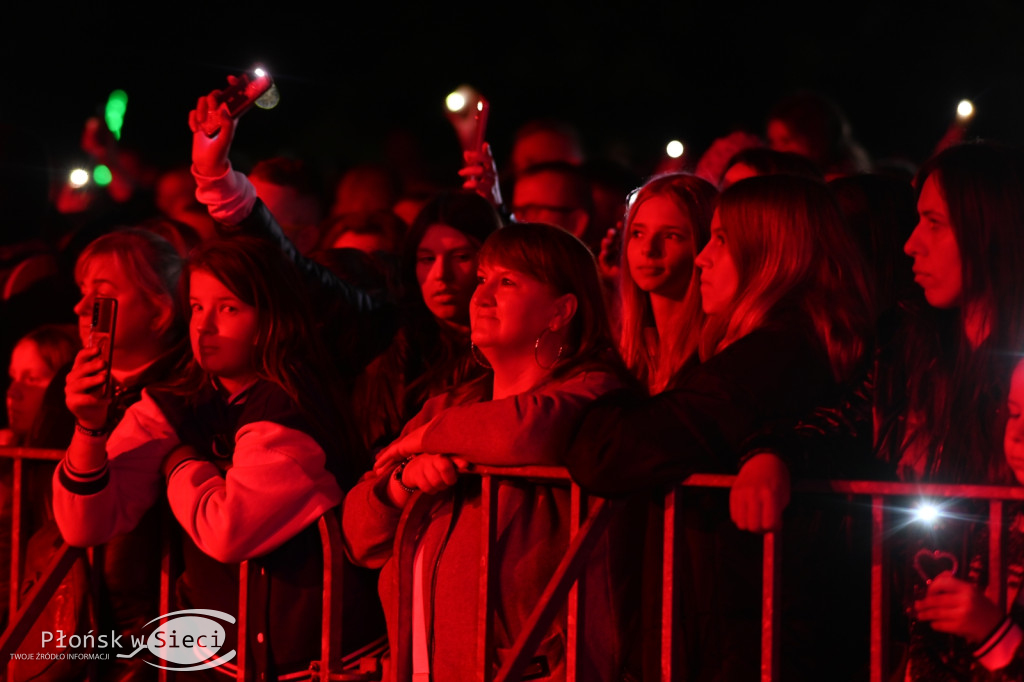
<point x="247" y="447"/>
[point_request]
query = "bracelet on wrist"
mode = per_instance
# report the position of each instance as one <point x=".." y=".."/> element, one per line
<point x="398" y="476"/>
<point x="91" y="433"/>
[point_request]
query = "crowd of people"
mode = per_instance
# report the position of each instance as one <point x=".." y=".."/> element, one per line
<point x="781" y="311"/>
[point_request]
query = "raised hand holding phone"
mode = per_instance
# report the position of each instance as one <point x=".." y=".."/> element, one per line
<point x="215" y="117"/>
<point x="255" y="87"/>
<point x="467" y="110"/>
<point x="88" y="389"/>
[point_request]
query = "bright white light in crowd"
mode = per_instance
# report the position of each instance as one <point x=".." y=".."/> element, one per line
<point x="78" y="177"/>
<point x="259" y="72"/>
<point x="455" y="101"/>
<point x="965" y="108"/>
<point x="479" y="106"/>
<point x="927" y="512"/>
<point x="674" y="149"/>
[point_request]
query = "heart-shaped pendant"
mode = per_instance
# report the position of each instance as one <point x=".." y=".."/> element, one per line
<point x="929" y="563"/>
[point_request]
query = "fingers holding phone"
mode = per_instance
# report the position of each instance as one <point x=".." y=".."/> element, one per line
<point x="88" y="388"/>
<point x="84" y="392"/>
<point x="480" y="174"/>
<point x="215" y="118"/>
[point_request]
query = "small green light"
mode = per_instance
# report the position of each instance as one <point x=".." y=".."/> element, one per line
<point x="113" y="114"/>
<point x="101" y="175"/>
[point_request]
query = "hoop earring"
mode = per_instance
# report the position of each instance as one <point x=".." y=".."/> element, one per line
<point x="536" y="353"/>
<point x="479" y="357"/>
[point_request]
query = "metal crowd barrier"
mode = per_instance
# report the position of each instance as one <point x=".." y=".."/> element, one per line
<point x="585" y="534"/>
<point x="590" y="519"/>
<point x="879" y="493"/>
<point x="22" y="616"/>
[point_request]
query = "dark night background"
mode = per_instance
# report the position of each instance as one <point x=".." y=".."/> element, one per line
<point x="631" y="77"/>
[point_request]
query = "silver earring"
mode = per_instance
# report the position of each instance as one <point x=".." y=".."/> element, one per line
<point x="536" y="352"/>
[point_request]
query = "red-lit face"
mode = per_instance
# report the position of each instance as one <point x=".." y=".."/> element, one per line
<point x="510" y="310"/>
<point x="138" y="318"/>
<point x="30" y="377"/>
<point x="1013" y="442"/>
<point x="222" y="330"/>
<point x="659" y="248"/>
<point x="446" y="271"/>
<point x="719" y="278"/>
<point x="933" y="246"/>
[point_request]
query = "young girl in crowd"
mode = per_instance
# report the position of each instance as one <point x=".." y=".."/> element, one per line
<point x="36" y="359"/>
<point x="353" y="324"/>
<point x="141" y="271"/>
<point x="539" y="324"/>
<point x="245" y="445"/>
<point x="943" y="379"/>
<point x="932" y="404"/>
<point x="787" y="322"/>
<point x="667" y="225"/>
<point x="430" y="354"/>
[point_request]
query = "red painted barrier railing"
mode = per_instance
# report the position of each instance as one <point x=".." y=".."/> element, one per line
<point x="589" y="521"/>
<point x="23" y="615"/>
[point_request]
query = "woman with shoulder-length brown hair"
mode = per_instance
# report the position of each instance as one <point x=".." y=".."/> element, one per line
<point x="538" y="322"/>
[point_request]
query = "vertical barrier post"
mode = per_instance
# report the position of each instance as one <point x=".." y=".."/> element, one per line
<point x="668" y="585"/>
<point x="996" y="588"/>
<point x="879" y="593"/>
<point x="15" y="570"/>
<point x="167" y="570"/>
<point x="573" y="653"/>
<point x="488" y="535"/>
<point x="770" y="615"/>
<point x="243" y="615"/>
<point x="17" y="491"/>
<point x="330" y="614"/>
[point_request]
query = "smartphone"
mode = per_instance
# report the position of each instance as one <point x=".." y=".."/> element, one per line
<point x="482" y="109"/>
<point x="467" y="110"/>
<point x="244" y="93"/>
<point x="101" y="334"/>
<point x="253" y="87"/>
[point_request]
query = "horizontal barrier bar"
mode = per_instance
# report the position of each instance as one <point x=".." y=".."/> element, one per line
<point x="31" y="453"/>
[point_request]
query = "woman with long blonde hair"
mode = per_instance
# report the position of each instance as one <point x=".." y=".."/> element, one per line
<point x="787" y="311"/>
<point x="667" y="225"/>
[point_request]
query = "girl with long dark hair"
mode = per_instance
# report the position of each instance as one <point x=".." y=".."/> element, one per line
<point x="787" y="321"/>
<point x="431" y="352"/>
